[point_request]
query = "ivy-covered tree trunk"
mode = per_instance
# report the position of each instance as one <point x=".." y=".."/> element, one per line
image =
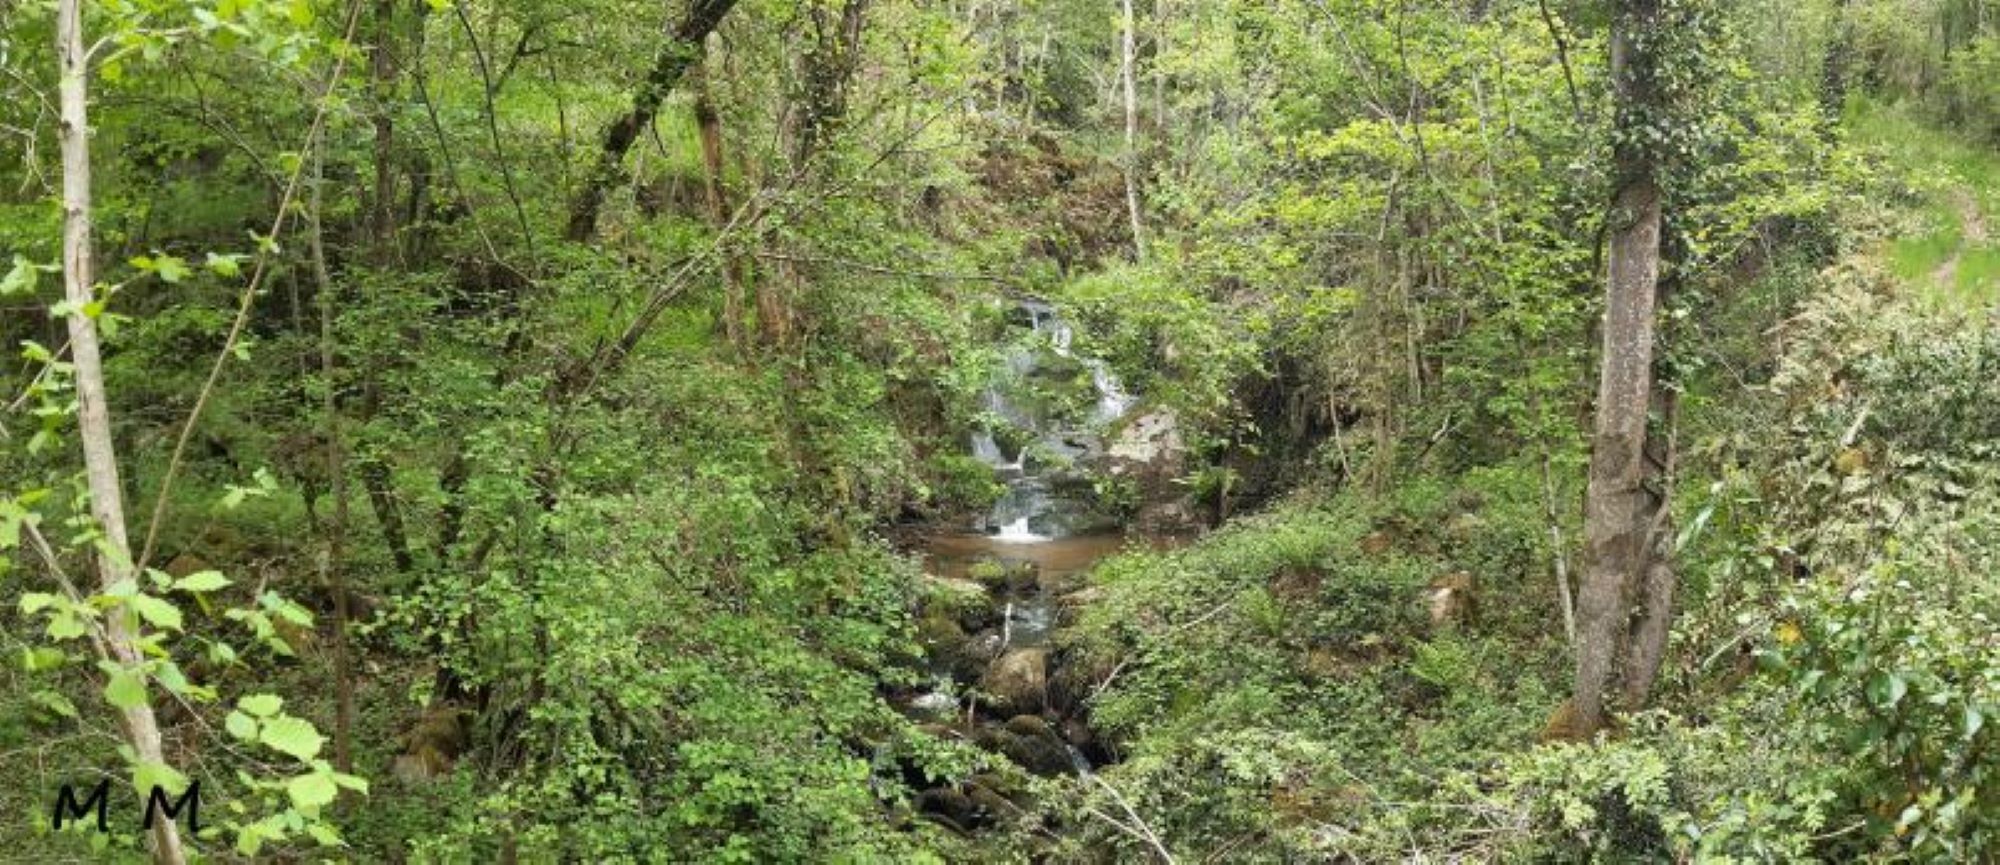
<point x="1616" y="549"/>
<point x="682" y="50"/>
<point x="114" y="556"/>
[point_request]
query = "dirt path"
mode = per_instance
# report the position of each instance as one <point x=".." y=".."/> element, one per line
<point x="1972" y="233"/>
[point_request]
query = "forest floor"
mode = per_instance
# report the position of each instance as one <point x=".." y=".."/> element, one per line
<point x="1953" y="258"/>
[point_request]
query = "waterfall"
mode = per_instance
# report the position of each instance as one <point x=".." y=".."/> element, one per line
<point x="1033" y="508"/>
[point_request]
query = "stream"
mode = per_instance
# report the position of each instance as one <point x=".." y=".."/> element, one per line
<point x="1003" y="583"/>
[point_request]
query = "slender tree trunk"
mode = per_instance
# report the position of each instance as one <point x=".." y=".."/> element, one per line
<point x="682" y="50"/>
<point x="709" y="122"/>
<point x="824" y="69"/>
<point x="1127" y="76"/>
<point x="1616" y="548"/>
<point x="100" y="459"/>
<point x="381" y="85"/>
<point x="331" y="574"/>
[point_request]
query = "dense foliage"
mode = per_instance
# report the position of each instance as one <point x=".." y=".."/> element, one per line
<point x="531" y="418"/>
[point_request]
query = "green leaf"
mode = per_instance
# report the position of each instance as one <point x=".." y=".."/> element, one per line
<point x="224" y="265"/>
<point x="126" y="689"/>
<point x="202" y="581"/>
<point x="147" y="776"/>
<point x="1974" y="720"/>
<point x="42" y="658"/>
<point x="170" y="268"/>
<point x="35" y="602"/>
<point x="351" y="782"/>
<point x="55" y="702"/>
<point x="311" y="791"/>
<point x="20" y="279"/>
<point x="157" y="612"/>
<point x="325" y="835"/>
<point x="241" y="726"/>
<point x="294" y="736"/>
<point x="261" y="705"/>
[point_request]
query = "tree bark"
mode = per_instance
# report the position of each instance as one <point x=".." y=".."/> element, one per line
<point x="381" y="88"/>
<point x="681" y="51"/>
<point x="825" y="67"/>
<point x="709" y="123"/>
<point x="100" y="458"/>
<point x="1127" y="76"/>
<point x="331" y="574"/>
<point x="1616" y="547"/>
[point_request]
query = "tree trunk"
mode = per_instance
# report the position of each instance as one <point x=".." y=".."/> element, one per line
<point x="1616" y="548"/>
<point x="381" y="86"/>
<point x="1127" y="76"/>
<point x="681" y="51"/>
<point x="100" y="459"/>
<point x="825" y="67"/>
<point x="709" y="122"/>
<point x="331" y="574"/>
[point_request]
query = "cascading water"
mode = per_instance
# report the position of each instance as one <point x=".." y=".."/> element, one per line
<point x="1048" y="413"/>
<point x="1050" y="442"/>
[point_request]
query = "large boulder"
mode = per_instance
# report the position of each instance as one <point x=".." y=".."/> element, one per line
<point x="1018" y="682"/>
<point x="1028" y="741"/>
<point x="1149" y="450"/>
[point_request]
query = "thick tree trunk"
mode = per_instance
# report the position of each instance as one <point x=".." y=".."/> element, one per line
<point x="681" y="51"/>
<point x="100" y="459"/>
<point x="1616" y="548"/>
<point x="1127" y="76"/>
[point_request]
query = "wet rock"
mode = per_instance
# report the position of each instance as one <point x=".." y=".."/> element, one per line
<point x="1073" y="678"/>
<point x="947" y="646"/>
<point x="1149" y="449"/>
<point x="1168" y="518"/>
<point x="1045" y="755"/>
<point x="984" y="648"/>
<point x="947" y="805"/>
<point x="1028" y="725"/>
<point x="989" y="805"/>
<point x="1017" y="683"/>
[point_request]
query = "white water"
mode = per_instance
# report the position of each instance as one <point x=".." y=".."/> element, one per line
<point x="1017" y="532"/>
<point x="988" y="451"/>
<point x="1058" y="442"/>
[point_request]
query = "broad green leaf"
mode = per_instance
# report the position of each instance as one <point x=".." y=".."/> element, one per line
<point x="202" y="581"/>
<point x="311" y="791"/>
<point x="294" y="736"/>
<point x="157" y="612"/>
<point x="261" y="705"/>
<point x="241" y="726"/>
<point x="170" y="268"/>
<point x="224" y="265"/>
<point x="147" y="776"/>
<point x="56" y="703"/>
<point x="20" y="278"/>
<point x="35" y="602"/>
<point x="126" y="689"/>
<point x="41" y="658"/>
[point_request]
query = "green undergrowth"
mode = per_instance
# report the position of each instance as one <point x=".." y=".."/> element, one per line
<point x="1280" y="689"/>
<point x="1952" y="253"/>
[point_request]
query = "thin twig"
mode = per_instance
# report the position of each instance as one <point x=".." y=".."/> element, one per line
<point x="244" y="303"/>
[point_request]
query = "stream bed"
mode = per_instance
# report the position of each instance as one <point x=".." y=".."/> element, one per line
<point x="1005" y="581"/>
